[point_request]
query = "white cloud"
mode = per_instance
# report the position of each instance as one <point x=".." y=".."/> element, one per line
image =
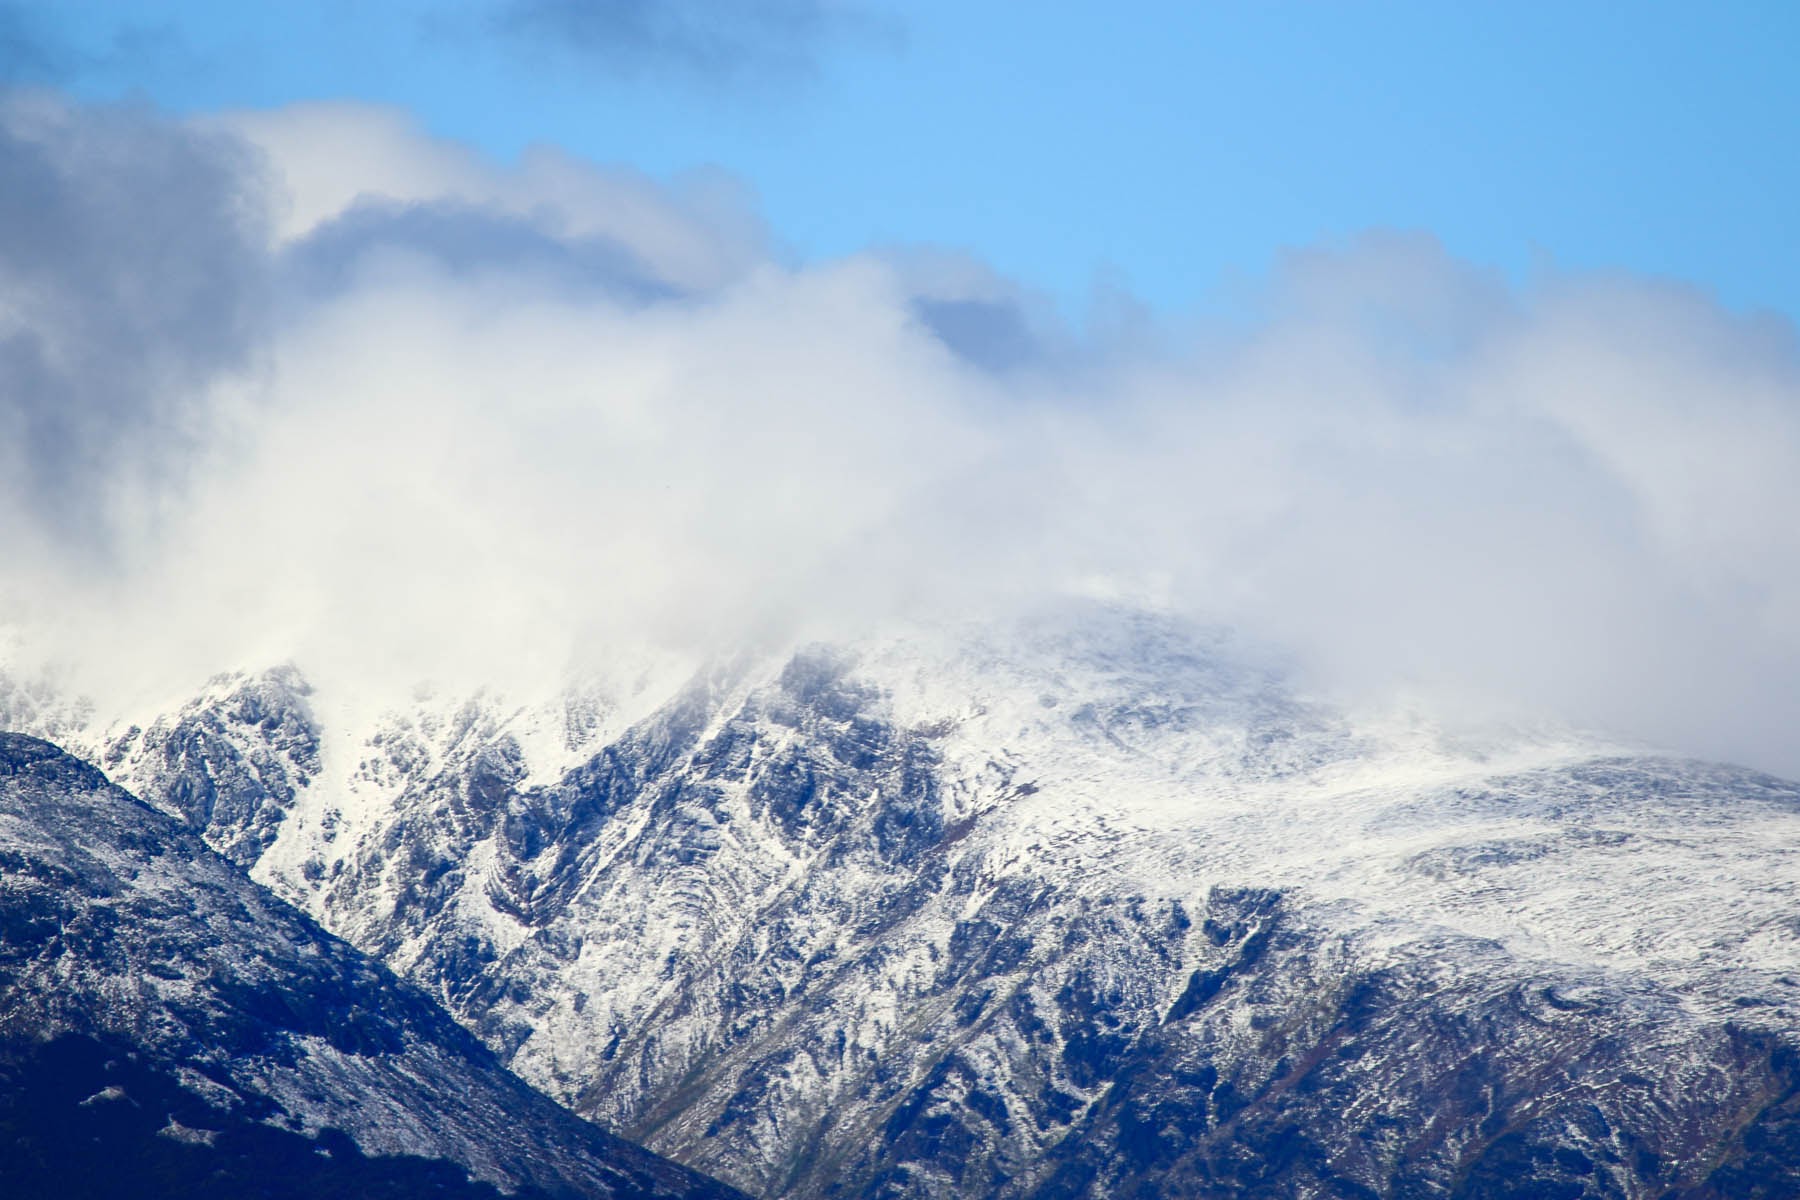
<point x="698" y="232"/>
<point x="1577" y="498"/>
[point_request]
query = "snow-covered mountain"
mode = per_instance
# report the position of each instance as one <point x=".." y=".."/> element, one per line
<point x="168" y="1028"/>
<point x="1087" y="904"/>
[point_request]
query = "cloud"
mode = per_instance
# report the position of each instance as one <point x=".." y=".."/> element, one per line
<point x="694" y="232"/>
<point x="1570" y="499"/>
<point x="130" y="257"/>
<point x="714" y="41"/>
<point x="465" y="241"/>
<point x="987" y="320"/>
<point x="504" y="416"/>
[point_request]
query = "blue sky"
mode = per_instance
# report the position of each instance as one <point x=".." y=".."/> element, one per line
<point x="1175" y="148"/>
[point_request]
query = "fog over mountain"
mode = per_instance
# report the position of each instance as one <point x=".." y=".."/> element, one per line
<point x="846" y="722"/>
<point x="309" y="384"/>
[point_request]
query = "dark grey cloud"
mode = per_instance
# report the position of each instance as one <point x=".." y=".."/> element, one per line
<point x="711" y="40"/>
<point x="465" y="241"/>
<point x="994" y="335"/>
<point x="132" y="272"/>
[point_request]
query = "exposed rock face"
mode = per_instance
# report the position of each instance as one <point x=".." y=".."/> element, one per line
<point x="230" y="763"/>
<point x="221" y="1043"/>
<point x="1081" y="907"/>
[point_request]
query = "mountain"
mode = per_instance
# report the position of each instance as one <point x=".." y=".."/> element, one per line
<point x="1085" y="904"/>
<point x="168" y="1028"/>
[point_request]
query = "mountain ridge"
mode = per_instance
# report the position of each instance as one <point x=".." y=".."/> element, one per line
<point x="1090" y="904"/>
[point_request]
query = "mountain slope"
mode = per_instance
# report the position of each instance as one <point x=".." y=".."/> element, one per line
<point x="1085" y="905"/>
<point x="166" y="1024"/>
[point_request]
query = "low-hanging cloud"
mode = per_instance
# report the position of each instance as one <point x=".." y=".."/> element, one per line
<point x="503" y="415"/>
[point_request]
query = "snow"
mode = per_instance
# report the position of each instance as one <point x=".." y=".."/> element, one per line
<point x="1096" y="756"/>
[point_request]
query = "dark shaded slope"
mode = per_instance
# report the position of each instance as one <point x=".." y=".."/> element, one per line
<point x="169" y="1029"/>
<point x="84" y="1117"/>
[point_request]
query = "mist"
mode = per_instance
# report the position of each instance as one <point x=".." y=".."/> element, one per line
<point x="309" y="384"/>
